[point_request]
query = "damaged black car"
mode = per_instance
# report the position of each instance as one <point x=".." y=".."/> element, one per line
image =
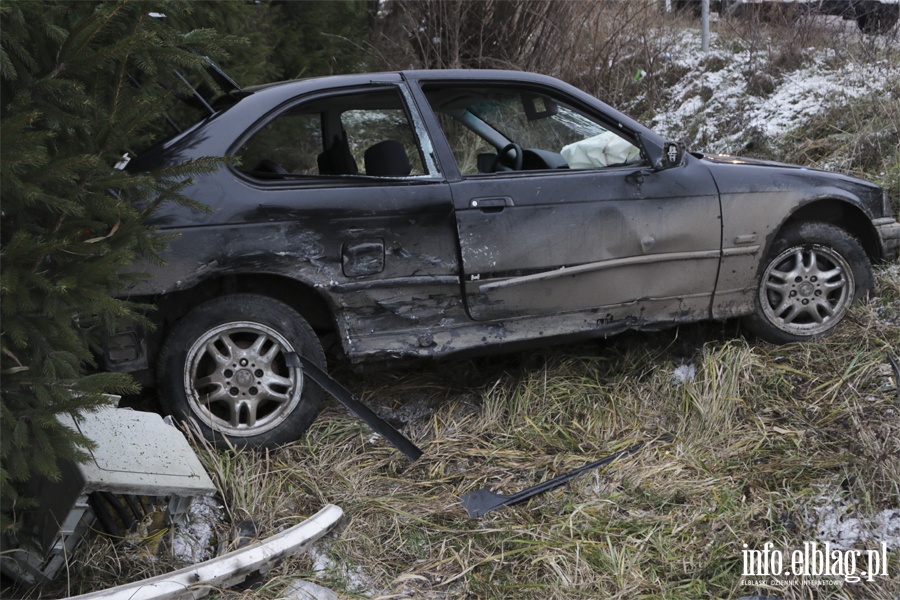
<point x="427" y="213"/>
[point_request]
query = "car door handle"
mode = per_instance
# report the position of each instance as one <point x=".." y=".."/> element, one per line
<point x="495" y="204"/>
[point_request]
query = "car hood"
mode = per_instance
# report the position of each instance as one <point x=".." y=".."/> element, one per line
<point x="749" y="174"/>
<point x="740" y="161"/>
<point x="738" y="175"/>
<point x="725" y="159"/>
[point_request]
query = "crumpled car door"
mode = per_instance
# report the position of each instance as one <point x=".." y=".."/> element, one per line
<point x="626" y="238"/>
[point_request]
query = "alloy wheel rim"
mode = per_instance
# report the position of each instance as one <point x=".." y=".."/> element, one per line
<point x="806" y="290"/>
<point x="236" y="379"/>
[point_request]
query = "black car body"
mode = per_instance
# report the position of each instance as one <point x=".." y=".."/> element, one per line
<point x="426" y="213"/>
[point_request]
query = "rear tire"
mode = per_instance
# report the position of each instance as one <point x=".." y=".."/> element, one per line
<point x="814" y="272"/>
<point x="223" y="365"/>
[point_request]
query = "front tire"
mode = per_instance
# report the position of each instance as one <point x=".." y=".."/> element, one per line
<point x="224" y="366"/>
<point x="814" y="272"/>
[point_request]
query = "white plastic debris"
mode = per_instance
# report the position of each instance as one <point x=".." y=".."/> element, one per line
<point x="229" y="569"/>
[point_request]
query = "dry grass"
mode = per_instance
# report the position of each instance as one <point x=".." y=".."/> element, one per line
<point x="760" y="432"/>
<point x="596" y="46"/>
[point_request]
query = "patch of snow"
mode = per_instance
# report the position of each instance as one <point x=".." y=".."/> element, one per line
<point x="412" y="411"/>
<point x="684" y="374"/>
<point x="307" y="590"/>
<point x="195" y="539"/>
<point x="835" y="520"/>
<point x="718" y="109"/>
<point x="354" y="578"/>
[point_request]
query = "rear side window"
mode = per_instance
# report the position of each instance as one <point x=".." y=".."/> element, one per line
<point x="292" y="142"/>
<point x="364" y="133"/>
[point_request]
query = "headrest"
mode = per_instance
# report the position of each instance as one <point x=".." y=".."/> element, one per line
<point x="387" y="159"/>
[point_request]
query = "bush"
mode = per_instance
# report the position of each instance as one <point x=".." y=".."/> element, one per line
<point x="596" y="46"/>
<point x="70" y="108"/>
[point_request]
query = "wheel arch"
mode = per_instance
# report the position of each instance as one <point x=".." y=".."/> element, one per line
<point x="839" y="213"/>
<point x="301" y="296"/>
<point x="825" y="294"/>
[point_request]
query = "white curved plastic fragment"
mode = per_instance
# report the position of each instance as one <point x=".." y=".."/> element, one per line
<point x="199" y="580"/>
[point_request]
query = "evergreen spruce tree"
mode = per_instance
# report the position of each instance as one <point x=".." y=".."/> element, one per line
<point x="289" y="39"/>
<point x="69" y="109"/>
<point x="321" y="37"/>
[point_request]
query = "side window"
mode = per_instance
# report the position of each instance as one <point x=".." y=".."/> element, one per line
<point x="367" y="133"/>
<point x="466" y="145"/>
<point x="488" y="127"/>
<point x="288" y="144"/>
<point x="366" y="129"/>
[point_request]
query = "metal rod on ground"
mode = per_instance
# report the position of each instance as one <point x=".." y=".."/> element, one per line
<point x="704" y="25"/>
<point x="331" y="386"/>
<point x="483" y="501"/>
<point x="895" y="365"/>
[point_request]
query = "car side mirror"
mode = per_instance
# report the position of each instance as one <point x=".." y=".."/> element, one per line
<point x="672" y="155"/>
<point x="486" y="162"/>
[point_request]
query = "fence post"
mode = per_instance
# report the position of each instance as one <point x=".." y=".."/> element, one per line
<point x="704" y="25"/>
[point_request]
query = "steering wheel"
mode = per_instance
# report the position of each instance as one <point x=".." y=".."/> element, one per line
<point x="503" y="159"/>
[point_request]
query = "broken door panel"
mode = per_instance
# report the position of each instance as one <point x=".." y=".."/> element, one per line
<point x="574" y="240"/>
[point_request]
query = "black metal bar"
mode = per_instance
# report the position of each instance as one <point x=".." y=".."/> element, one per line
<point x="195" y="92"/>
<point x="483" y="501"/>
<point x="896" y="368"/>
<point x="340" y="393"/>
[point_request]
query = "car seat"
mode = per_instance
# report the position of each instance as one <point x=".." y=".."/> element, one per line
<point x="387" y="159"/>
<point x="337" y="159"/>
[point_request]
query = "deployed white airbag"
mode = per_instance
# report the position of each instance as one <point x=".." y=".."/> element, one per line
<point x="600" y="150"/>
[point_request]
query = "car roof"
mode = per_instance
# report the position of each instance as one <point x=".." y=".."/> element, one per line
<point x="273" y="94"/>
<point x="408" y="75"/>
<point x="284" y="90"/>
<point x="478" y="74"/>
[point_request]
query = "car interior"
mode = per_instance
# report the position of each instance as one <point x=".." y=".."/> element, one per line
<point x="522" y="130"/>
<point x="356" y="134"/>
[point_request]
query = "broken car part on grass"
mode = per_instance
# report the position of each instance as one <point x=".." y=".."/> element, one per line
<point x="340" y="393"/>
<point x="483" y="501"/>
<point x="895" y="366"/>
<point x="136" y="455"/>
<point x="432" y="213"/>
<point x="197" y="581"/>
